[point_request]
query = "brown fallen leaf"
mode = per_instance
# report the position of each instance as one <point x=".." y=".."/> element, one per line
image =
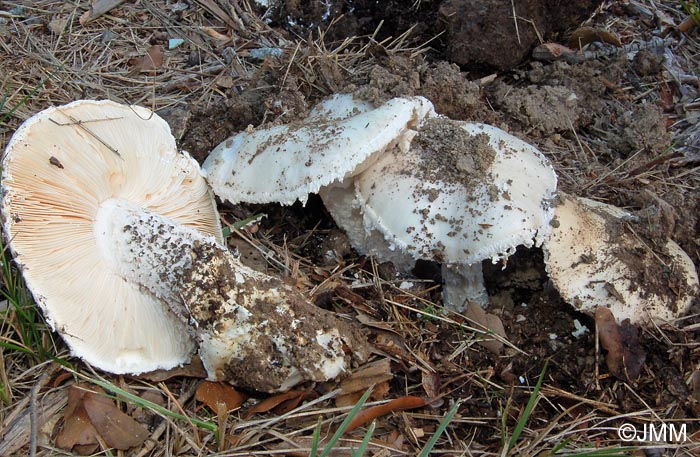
<point x="431" y="383"/>
<point x="379" y="392"/>
<point x="77" y="429"/>
<point x="151" y="61"/>
<point x="97" y="9"/>
<point x="370" y="374"/>
<point x="213" y="393"/>
<point x="491" y="322"/>
<point x="687" y="24"/>
<point x="625" y="356"/>
<point x="586" y="35"/>
<point x="272" y="402"/>
<point x="399" y="404"/>
<point x="551" y="52"/>
<point x="89" y="413"/>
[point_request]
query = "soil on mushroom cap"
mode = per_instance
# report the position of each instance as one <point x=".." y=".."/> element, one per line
<point x="451" y="155"/>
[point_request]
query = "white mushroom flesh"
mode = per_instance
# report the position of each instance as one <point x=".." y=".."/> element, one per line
<point x="59" y="167"/>
<point x="595" y="259"/>
<point x="285" y="163"/>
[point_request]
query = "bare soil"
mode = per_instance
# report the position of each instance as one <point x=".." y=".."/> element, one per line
<point x="617" y="128"/>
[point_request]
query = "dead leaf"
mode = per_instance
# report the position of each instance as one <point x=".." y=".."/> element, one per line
<point x="58" y="25"/>
<point x="400" y="404"/>
<point x="89" y="413"/>
<point x="77" y="429"/>
<point x="213" y="393"/>
<point x="149" y="62"/>
<point x="98" y="8"/>
<point x="431" y="383"/>
<point x="625" y="356"/>
<point x="687" y="24"/>
<point x="586" y="35"/>
<point x="491" y="322"/>
<point x="369" y="375"/>
<point x="272" y="402"/>
<point x="379" y="392"/>
<point x="666" y="96"/>
<point x="551" y="51"/>
<point x="214" y="34"/>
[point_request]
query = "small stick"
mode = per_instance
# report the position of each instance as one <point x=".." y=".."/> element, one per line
<point x="33" y="421"/>
<point x="81" y="124"/>
<point x="151" y="443"/>
<point x="97" y="9"/>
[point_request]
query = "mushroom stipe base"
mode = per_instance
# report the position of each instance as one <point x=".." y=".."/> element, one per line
<point x="253" y="330"/>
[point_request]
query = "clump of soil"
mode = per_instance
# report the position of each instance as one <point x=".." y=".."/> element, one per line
<point x="450" y="90"/>
<point x="450" y="154"/>
<point x="473" y="33"/>
<point x="543" y="109"/>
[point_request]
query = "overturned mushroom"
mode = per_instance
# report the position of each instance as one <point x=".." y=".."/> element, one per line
<point x="143" y="265"/>
<point x="455" y="192"/>
<point x="594" y="258"/>
<point x="58" y="168"/>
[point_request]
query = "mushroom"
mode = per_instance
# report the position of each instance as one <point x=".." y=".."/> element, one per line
<point x="139" y="269"/>
<point x="58" y="168"/>
<point x="253" y="330"/>
<point x="457" y="193"/>
<point x="284" y="163"/>
<point x="595" y="258"/>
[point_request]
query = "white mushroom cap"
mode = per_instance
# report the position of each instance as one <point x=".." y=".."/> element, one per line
<point x="59" y="167"/>
<point x="285" y="163"/>
<point x="458" y="198"/>
<point x="595" y="260"/>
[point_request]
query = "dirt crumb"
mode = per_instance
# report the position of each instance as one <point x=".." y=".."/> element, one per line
<point x="545" y="109"/>
<point x="450" y="154"/>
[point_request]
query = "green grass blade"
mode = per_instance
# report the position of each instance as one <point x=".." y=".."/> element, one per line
<point x="227" y="232"/>
<point x="316" y="438"/>
<point x="528" y="410"/>
<point x="148" y="404"/>
<point x="365" y="441"/>
<point x="344" y="425"/>
<point x="441" y="428"/>
<point x="24" y="99"/>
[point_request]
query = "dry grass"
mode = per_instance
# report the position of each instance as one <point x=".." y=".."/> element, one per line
<point x="42" y="45"/>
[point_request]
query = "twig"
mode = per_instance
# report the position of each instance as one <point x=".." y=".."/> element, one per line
<point x="97" y="9"/>
<point x="33" y="420"/>
<point x="153" y="440"/>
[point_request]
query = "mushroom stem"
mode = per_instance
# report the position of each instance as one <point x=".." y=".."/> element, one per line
<point x="253" y="329"/>
<point x="463" y="284"/>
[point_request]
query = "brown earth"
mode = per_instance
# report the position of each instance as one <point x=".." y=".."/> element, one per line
<point x="617" y="129"/>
